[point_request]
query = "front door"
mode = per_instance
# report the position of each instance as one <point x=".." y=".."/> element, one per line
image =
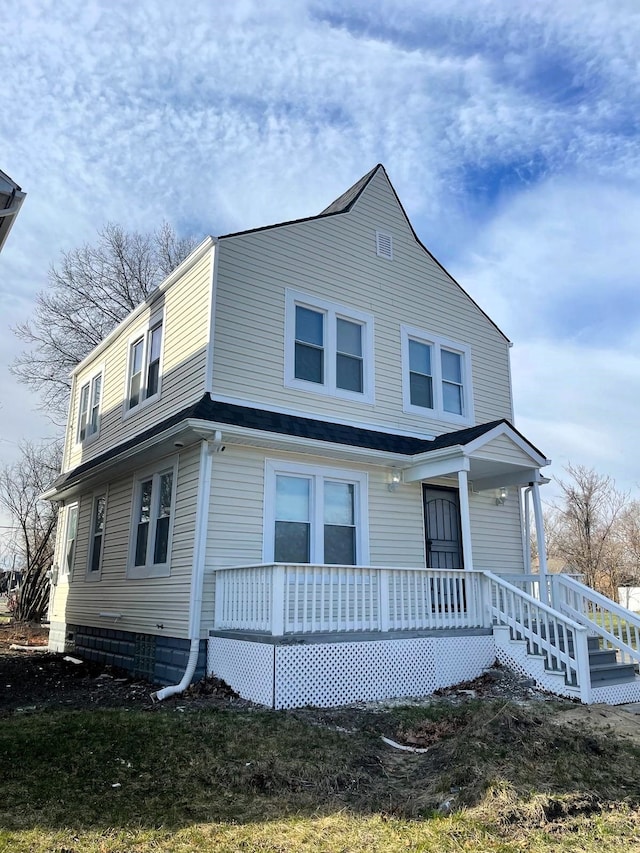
<point x="442" y="528"/>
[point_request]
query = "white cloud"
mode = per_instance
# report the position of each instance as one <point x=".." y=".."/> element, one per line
<point x="508" y="129"/>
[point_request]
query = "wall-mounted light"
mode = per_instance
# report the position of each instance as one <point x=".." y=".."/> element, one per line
<point x="501" y="495"/>
<point x="395" y="479"/>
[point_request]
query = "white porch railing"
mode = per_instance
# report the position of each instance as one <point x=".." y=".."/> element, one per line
<point x="618" y="627"/>
<point x="548" y="632"/>
<point x="301" y="599"/>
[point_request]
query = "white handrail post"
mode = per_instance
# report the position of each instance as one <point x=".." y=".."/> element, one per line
<point x="582" y="662"/>
<point x="542" y="547"/>
<point x="219" y="593"/>
<point x="465" y="520"/>
<point x="383" y="604"/>
<point x="277" y="600"/>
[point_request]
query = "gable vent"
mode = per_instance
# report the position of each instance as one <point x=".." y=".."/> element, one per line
<point x="384" y="245"/>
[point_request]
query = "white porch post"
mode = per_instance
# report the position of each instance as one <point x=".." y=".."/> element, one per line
<point x="465" y="520"/>
<point x="542" y="545"/>
<point x="526" y="545"/>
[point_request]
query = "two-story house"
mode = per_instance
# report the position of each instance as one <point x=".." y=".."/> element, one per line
<point x="295" y="467"/>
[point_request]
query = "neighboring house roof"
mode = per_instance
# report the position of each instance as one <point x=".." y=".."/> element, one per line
<point x="11" y="198"/>
<point x="217" y="412"/>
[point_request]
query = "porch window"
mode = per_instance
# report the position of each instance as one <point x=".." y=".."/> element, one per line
<point x="328" y="348"/>
<point x="154" y="501"/>
<point x="315" y="515"/>
<point x="293" y="523"/>
<point x="436" y="377"/>
<point x="96" y="536"/>
<point x="71" y="533"/>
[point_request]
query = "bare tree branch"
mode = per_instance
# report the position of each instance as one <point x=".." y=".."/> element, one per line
<point x="88" y="294"/>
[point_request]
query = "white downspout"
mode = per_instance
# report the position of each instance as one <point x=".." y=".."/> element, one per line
<point x="197" y="575"/>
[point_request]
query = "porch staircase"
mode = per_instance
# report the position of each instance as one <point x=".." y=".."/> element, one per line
<point x="604" y="666"/>
<point x="585" y="646"/>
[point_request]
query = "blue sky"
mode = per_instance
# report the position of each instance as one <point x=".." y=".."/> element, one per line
<point x="509" y="130"/>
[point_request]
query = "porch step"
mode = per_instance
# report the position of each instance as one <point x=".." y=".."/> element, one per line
<point x="617" y="673"/>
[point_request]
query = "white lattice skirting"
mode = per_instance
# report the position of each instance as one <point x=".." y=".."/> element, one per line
<point x="330" y="674"/>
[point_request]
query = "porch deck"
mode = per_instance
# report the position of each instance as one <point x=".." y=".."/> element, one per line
<point x="289" y="635"/>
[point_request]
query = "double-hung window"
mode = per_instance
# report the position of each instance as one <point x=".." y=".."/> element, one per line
<point x="70" y="536"/>
<point x="315" y="515"/>
<point x="96" y="537"/>
<point x="153" y="510"/>
<point x="329" y="348"/>
<point x="89" y="407"/>
<point x="436" y="377"/>
<point x="143" y="378"/>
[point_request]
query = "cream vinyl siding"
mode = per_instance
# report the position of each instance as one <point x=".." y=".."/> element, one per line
<point x="335" y="259"/>
<point x="147" y="603"/>
<point x="184" y="306"/>
<point x="505" y="450"/>
<point x="496" y="536"/>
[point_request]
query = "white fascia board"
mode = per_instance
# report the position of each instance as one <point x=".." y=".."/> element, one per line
<point x="427" y="470"/>
<point x="197" y="254"/>
<point x="172" y="432"/>
<point x="505" y="429"/>
<point x="517" y="477"/>
<point x="9" y="216"/>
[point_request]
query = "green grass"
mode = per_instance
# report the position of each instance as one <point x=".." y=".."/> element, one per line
<point x="113" y="781"/>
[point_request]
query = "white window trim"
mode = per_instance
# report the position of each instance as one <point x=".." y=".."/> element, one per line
<point x="151" y="570"/>
<point x="143" y="333"/>
<point x="332" y="311"/>
<point x="437" y="413"/>
<point x="273" y="467"/>
<point x="90" y="576"/>
<point x="89" y="380"/>
<point x="65" y="573"/>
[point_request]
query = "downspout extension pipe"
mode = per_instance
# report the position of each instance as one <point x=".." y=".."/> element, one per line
<point x="207" y="449"/>
<point x="185" y="681"/>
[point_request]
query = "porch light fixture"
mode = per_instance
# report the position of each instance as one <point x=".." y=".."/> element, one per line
<point x="501" y="495"/>
<point x="396" y="479"/>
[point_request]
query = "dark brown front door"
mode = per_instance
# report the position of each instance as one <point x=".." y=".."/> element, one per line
<point x="442" y="528"/>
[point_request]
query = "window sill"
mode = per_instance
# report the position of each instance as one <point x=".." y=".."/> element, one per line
<point x="436" y="415"/>
<point x="88" y="440"/>
<point x="142" y="572"/>
<point x="92" y="577"/>
<point x="325" y="391"/>
<point x="149" y="401"/>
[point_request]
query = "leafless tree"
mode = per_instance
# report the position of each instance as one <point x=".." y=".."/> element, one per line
<point x="88" y="294"/>
<point x="34" y="523"/>
<point x="586" y="527"/>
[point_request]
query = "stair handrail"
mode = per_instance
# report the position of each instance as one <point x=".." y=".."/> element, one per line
<point x="576" y="665"/>
<point x="628" y="622"/>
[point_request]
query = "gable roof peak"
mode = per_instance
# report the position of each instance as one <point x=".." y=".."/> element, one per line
<point x="349" y="197"/>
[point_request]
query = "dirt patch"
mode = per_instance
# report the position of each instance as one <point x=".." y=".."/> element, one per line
<point x="32" y="678"/>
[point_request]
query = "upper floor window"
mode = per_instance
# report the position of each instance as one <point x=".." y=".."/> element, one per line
<point x="89" y="408"/>
<point x="329" y="348"/>
<point x="153" y="509"/>
<point x="315" y="515"/>
<point x="143" y="378"/>
<point x="436" y="377"/>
